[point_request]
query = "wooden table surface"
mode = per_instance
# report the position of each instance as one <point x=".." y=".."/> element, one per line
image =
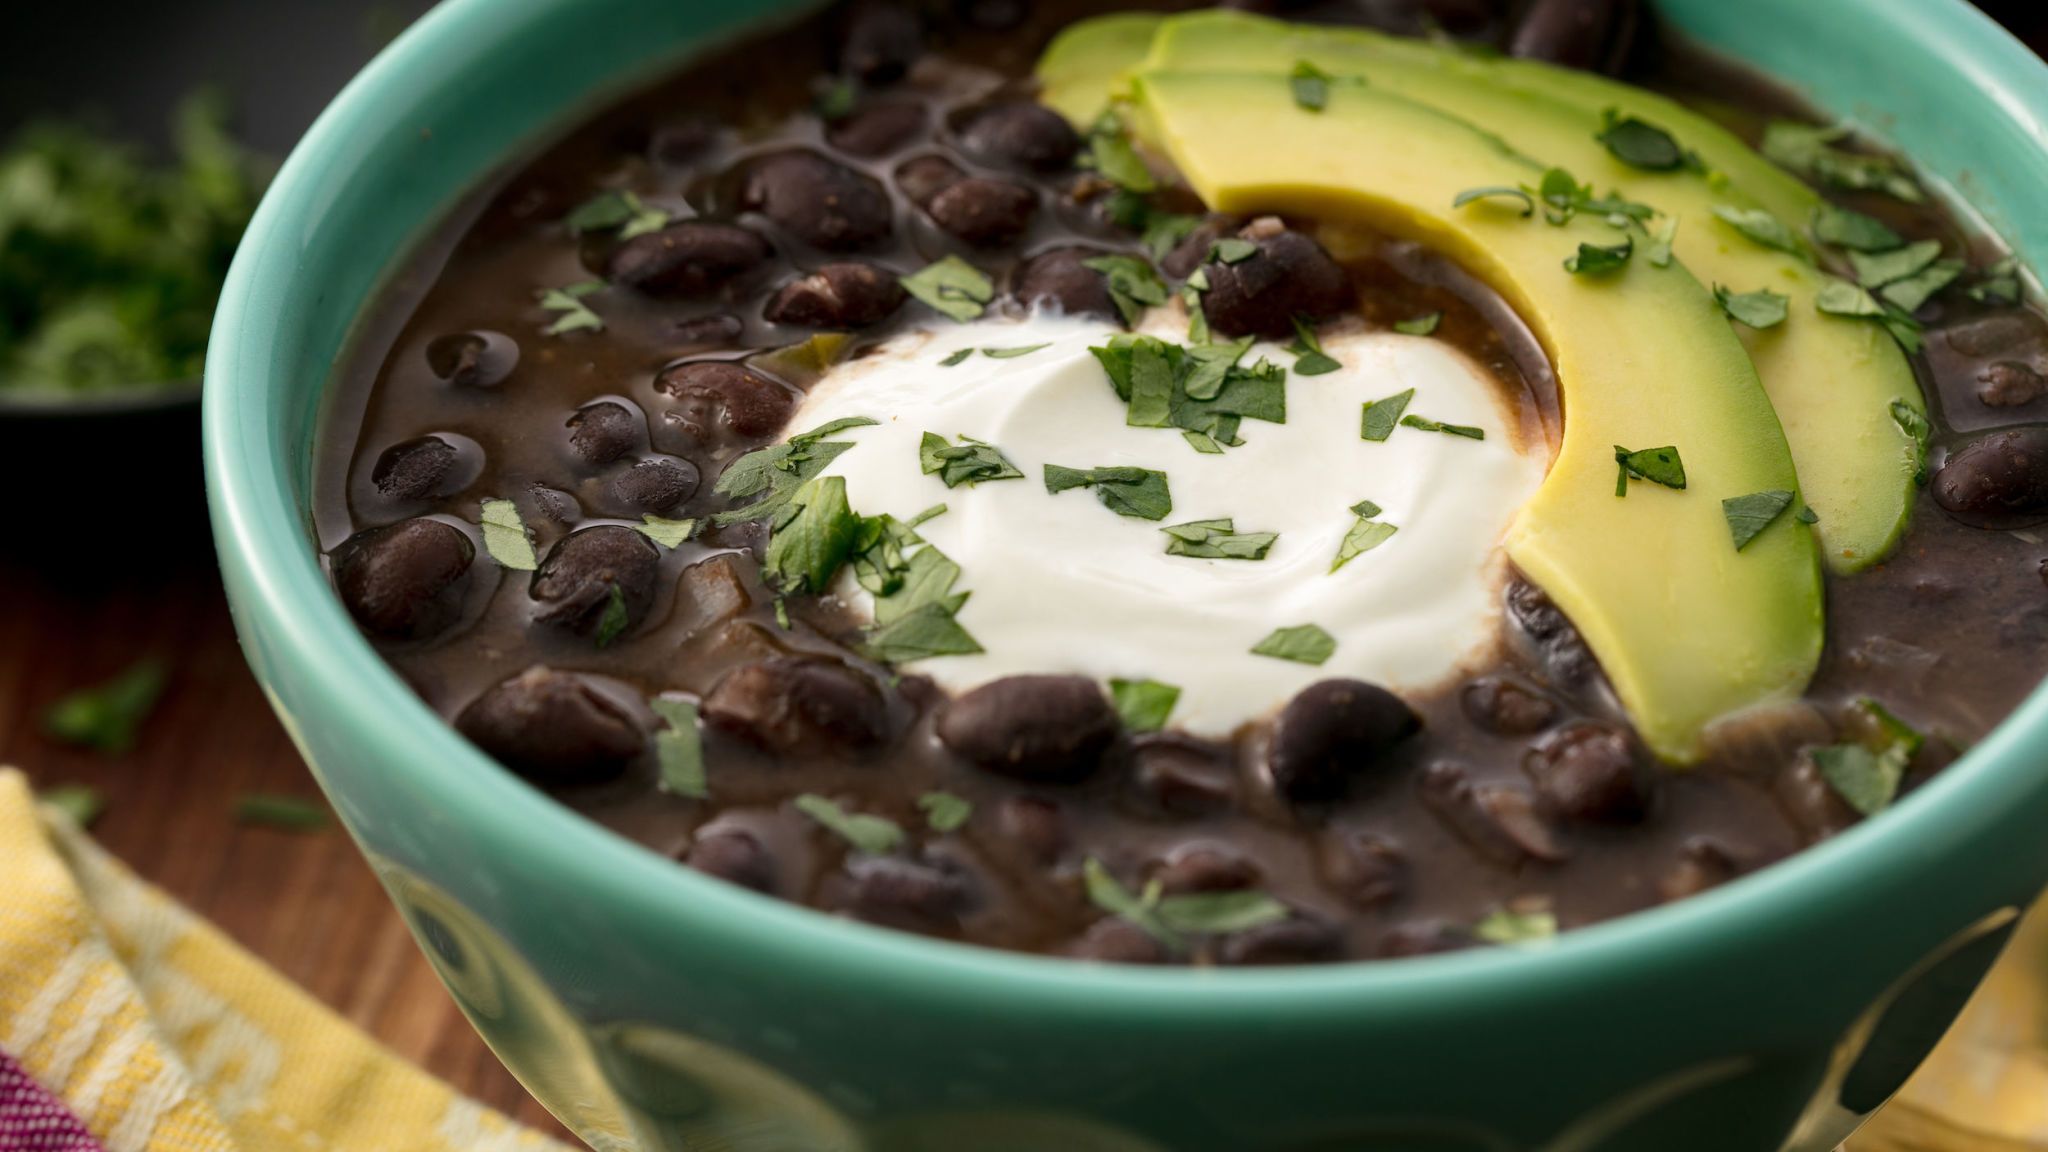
<point x="305" y="903"/>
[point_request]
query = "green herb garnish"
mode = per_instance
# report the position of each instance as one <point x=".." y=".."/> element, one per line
<point x="1640" y="144"/>
<point x="1232" y="250"/>
<point x="836" y="99"/>
<point x="286" y="813"/>
<point x="106" y="716"/>
<point x="1382" y="416"/>
<point x="813" y="535"/>
<point x="1310" y="359"/>
<point x="1365" y="535"/>
<point x="1013" y="353"/>
<point x="1659" y="252"/>
<point x="1310" y="85"/>
<point x="912" y="583"/>
<point x="1424" y="424"/>
<point x="1111" y="155"/>
<point x="1200" y="388"/>
<point x="1126" y="491"/>
<point x="1867" y="773"/>
<point x="971" y="462"/>
<point x="1506" y="927"/>
<point x="776" y="472"/>
<point x="1998" y="284"/>
<point x="872" y="835"/>
<point x="1749" y="515"/>
<point x="1596" y="259"/>
<point x="1164" y="231"/>
<point x="957" y="358"/>
<point x="1760" y="309"/>
<point x="1876" y="269"/>
<point x="1763" y="228"/>
<point x="952" y="287"/>
<point x="616" y="210"/>
<point x="1144" y="705"/>
<point x="1847" y="228"/>
<point x="1498" y="191"/>
<point x="1841" y="298"/>
<point x="1303" y="644"/>
<point x="505" y="536"/>
<point x="612" y="623"/>
<point x="1133" y="284"/>
<point x="1915" y="426"/>
<point x="1657" y="465"/>
<point x="572" y="314"/>
<point x="679" y="748"/>
<point x="943" y="811"/>
<point x="1810" y="152"/>
<point x="1217" y="540"/>
<point x="667" y="533"/>
<point x="1171" y="919"/>
<point x="1422" y="325"/>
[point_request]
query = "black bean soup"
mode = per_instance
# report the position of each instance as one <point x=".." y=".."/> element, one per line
<point x="596" y="359"/>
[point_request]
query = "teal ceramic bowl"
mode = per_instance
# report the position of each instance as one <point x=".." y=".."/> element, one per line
<point x="654" y="1009"/>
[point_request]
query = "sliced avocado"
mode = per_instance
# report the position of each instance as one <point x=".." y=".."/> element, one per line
<point x="1687" y="628"/>
<point x="1832" y="380"/>
<point x="1083" y="67"/>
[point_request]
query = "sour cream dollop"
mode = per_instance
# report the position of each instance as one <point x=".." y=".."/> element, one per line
<point x="1062" y="584"/>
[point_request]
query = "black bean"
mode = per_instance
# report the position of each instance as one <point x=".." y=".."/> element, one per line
<point x="734" y="855"/>
<point x="1114" y="941"/>
<point x="1039" y="728"/>
<point x="1057" y="278"/>
<point x="1425" y="938"/>
<point x="473" y="359"/>
<point x="821" y="202"/>
<point x="722" y="402"/>
<point x="1703" y="863"/>
<point x="880" y="42"/>
<point x="799" y="706"/>
<point x="1182" y="775"/>
<point x="2043" y="572"/>
<point x="1366" y="869"/>
<point x="574" y="584"/>
<point x="718" y="330"/>
<point x="1556" y="642"/>
<point x="841" y="296"/>
<point x="682" y="140"/>
<point x="1205" y="867"/>
<point x="1035" y="825"/>
<point x="1499" y="822"/>
<point x="1592" y="35"/>
<point x="1295" y="940"/>
<point x="655" y="486"/>
<point x="1997" y="481"/>
<point x="985" y="213"/>
<point x="553" y="728"/>
<point x="420" y="469"/>
<point x="878" y="128"/>
<point x="604" y="430"/>
<point x="404" y="581"/>
<point x="1193" y="249"/>
<point x="1261" y="295"/>
<point x="2009" y="384"/>
<point x="1019" y="134"/>
<point x="1507" y="706"/>
<point x="922" y="177"/>
<point x="1332" y="732"/>
<point x="2008" y="334"/>
<point x="555" y="504"/>
<point x="915" y="895"/>
<point x="693" y="258"/>
<point x="1588" y="772"/>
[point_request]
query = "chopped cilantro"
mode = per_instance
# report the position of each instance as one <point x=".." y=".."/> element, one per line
<point x="1847" y="228"/>
<point x="872" y="835"/>
<point x="679" y="748"/>
<point x="285" y="813"/>
<point x="957" y="358"/>
<point x="1111" y="155"/>
<point x="1382" y="416"/>
<point x="505" y="536"/>
<point x="1143" y="704"/>
<point x="1876" y="269"/>
<point x="1203" y="442"/>
<point x="1217" y="540"/>
<point x="775" y="473"/>
<point x="1868" y="780"/>
<point x="943" y="811"/>
<point x="1423" y="424"/>
<point x="1133" y="284"/>
<point x="1126" y="491"/>
<point x="1013" y="353"/>
<point x="1640" y="144"/>
<point x="1596" y="259"/>
<point x="1310" y="85"/>
<point x="1200" y="388"/>
<point x="952" y="287"/>
<point x="1841" y="298"/>
<point x="835" y="99"/>
<point x="1302" y="643"/>
<point x="1171" y="919"/>
<point x="1659" y="254"/>
<point x="665" y="532"/>
<point x="1164" y="231"/>
<point x="1915" y="426"/>
<point x="1498" y="191"/>
<point x="813" y="535"/>
<point x="1232" y="250"/>
<point x="1749" y="515"/>
<point x="1810" y="151"/>
<point x="1657" y="465"/>
<point x="106" y="716"/>
<point x="971" y="462"/>
<point x="1507" y="927"/>
<point x="1761" y="227"/>
<point x="1909" y="294"/>
<point x="1998" y="284"/>
<point x="1365" y="535"/>
<point x="616" y="210"/>
<point x="572" y="314"/>
<point x="1423" y="325"/>
<point x="1762" y="308"/>
<point x="612" y="623"/>
<point x="1310" y="359"/>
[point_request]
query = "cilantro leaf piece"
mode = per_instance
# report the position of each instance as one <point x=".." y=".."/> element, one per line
<point x="915" y="604"/>
<point x="1915" y="426"/>
<point x="1876" y="269"/>
<point x="81" y="803"/>
<point x="1382" y="416"/>
<point x="1133" y="284"/>
<point x="1909" y="294"/>
<point x="1151" y="399"/>
<point x="1140" y="909"/>
<point x="952" y="287"/>
<point x="667" y="533"/>
<point x="1113" y="157"/>
<point x="1657" y="465"/>
<point x="812" y="537"/>
<point x="1126" y="491"/>
<point x="971" y="462"/>
<point x="107" y="716"/>
<point x="679" y="748"/>
<point x="1143" y="704"/>
<point x="873" y="835"/>
<point x="616" y="210"/>
<point x="1423" y="424"/>
<point x="1366" y="509"/>
<point x="1219" y="913"/>
<point x="285" y="813"/>
<point x="612" y="623"/>
<point x="1423" y="325"/>
<point x="775" y="473"/>
<point x="1209" y="367"/>
<point x="1364" y="536"/>
<point x="1497" y="191"/>
<point x="1659" y="253"/>
<point x="1013" y="353"/>
<point x="1806" y="515"/>
<point x="920" y="634"/>
<point x="1302" y="643"/>
<point x="572" y="314"/>
<point x="1310" y="85"/>
<point x="1165" y="230"/>
<point x="943" y="811"/>
<point x="1998" y="284"/>
<point x="505" y="536"/>
<point x="956" y="358"/>
<point x="1868" y="780"/>
<point x="1749" y="515"/>
<point x="1595" y="259"/>
<point x="1848" y="228"/>
<point x="1203" y="442"/>
<point x="835" y="101"/>
<point x="1763" y="228"/>
<point x="1810" y="151"/>
<point x="1760" y="309"/>
<point x="1310" y="359"/>
<point x="1841" y="298"/>
<point x="1640" y="144"/>
<point x="1509" y="928"/>
<point x="1232" y="250"/>
<point x="1217" y="540"/>
<point x="1563" y="197"/>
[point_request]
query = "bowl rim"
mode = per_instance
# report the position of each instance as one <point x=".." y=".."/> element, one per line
<point x="263" y="542"/>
